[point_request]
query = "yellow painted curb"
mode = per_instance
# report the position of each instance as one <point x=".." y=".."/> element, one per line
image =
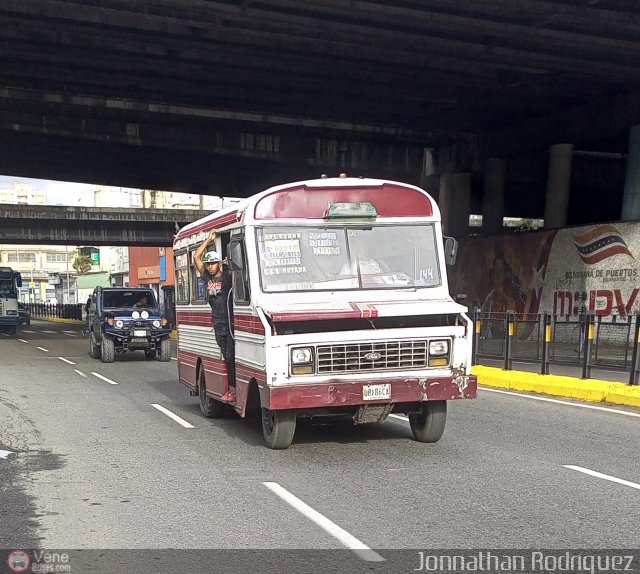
<point x="57" y="320"/>
<point x="584" y="389"/>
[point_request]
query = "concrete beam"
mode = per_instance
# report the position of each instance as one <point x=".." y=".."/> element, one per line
<point x="24" y="224"/>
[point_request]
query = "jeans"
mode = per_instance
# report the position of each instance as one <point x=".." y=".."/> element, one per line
<point x="228" y="348"/>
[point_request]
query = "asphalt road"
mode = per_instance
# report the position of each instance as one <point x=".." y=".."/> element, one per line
<point x="95" y="465"/>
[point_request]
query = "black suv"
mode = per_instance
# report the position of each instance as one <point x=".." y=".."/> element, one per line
<point x="127" y="319"/>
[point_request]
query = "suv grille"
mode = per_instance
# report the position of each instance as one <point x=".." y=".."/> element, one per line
<point x="363" y="357"/>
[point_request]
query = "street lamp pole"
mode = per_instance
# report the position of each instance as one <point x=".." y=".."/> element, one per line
<point x="66" y="258"/>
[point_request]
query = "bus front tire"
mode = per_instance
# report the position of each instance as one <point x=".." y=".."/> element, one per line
<point x="278" y="428"/>
<point x="210" y="408"/>
<point x="107" y="350"/>
<point x="428" y="423"/>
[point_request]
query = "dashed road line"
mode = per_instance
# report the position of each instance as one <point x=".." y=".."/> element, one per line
<point x="43" y="349"/>
<point x="173" y="416"/>
<point x="25" y="331"/>
<point x="104" y="378"/>
<point x="173" y="359"/>
<point x="70" y="335"/>
<point x="546" y="400"/>
<point x="5" y="334"/>
<point x="323" y="522"/>
<point x="23" y="341"/>
<point x="603" y="476"/>
<point x="80" y="373"/>
<point x="67" y="361"/>
<point x="43" y="331"/>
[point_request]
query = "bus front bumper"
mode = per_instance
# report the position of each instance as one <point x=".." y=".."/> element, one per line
<point x="344" y="394"/>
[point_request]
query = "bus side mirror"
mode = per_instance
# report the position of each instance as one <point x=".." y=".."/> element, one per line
<point x="450" y="250"/>
<point x="19" y="281"/>
<point x="236" y="256"/>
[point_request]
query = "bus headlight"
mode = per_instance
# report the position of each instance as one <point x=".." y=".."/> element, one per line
<point x="438" y="348"/>
<point x="301" y="356"/>
<point x="438" y="353"/>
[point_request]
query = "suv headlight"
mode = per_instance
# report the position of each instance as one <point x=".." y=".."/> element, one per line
<point x="301" y="356"/>
<point x="157" y="324"/>
<point x="119" y="324"/>
<point x="144" y="314"/>
<point x="438" y="347"/>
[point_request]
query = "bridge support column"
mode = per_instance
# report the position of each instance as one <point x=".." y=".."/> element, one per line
<point x="558" y="185"/>
<point x="493" y="200"/>
<point x="455" y="203"/>
<point x="631" y="198"/>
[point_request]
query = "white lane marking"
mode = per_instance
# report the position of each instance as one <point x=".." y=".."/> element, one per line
<point x="47" y="331"/>
<point x="70" y="335"/>
<point x="173" y="359"/>
<point x="67" y="361"/>
<point x="25" y="331"/>
<point x="80" y="373"/>
<point x="173" y="416"/>
<point x="5" y="453"/>
<point x="104" y="378"/>
<point x="580" y="405"/>
<point x="603" y="476"/>
<point x="23" y="341"/>
<point x="72" y="332"/>
<point x="5" y="334"/>
<point x="401" y="417"/>
<point x="323" y="522"/>
<point x="43" y="349"/>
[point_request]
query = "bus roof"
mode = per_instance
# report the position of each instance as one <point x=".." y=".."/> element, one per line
<point x="390" y="198"/>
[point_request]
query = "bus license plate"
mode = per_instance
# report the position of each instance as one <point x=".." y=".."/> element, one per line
<point x="139" y="333"/>
<point x="376" y="392"/>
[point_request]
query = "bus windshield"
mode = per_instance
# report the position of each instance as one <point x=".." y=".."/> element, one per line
<point x="8" y="287"/>
<point x="333" y="258"/>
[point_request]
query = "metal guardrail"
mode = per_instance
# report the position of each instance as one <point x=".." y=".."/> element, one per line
<point x="56" y="311"/>
<point x="584" y="341"/>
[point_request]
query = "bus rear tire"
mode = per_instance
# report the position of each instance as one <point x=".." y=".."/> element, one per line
<point x="428" y="424"/>
<point x="278" y="428"/>
<point x="210" y="408"/>
<point x="107" y="350"/>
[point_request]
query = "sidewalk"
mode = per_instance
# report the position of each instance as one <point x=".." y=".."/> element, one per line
<point x="594" y="390"/>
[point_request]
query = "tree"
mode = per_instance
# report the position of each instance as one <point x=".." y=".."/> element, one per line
<point x="81" y="263"/>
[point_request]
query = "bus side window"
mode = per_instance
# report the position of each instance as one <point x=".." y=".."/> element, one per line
<point x="239" y="271"/>
<point x="198" y="288"/>
<point x="182" y="278"/>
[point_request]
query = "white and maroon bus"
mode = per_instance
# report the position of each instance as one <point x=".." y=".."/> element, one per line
<point x="341" y="306"/>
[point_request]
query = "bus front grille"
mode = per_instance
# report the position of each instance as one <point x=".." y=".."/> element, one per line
<point x="364" y="357"/>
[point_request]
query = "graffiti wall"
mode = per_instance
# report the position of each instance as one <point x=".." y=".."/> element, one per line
<point x="592" y="268"/>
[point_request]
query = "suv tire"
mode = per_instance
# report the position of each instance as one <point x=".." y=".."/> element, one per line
<point x="94" y="348"/>
<point x="107" y="350"/>
<point x="165" y="350"/>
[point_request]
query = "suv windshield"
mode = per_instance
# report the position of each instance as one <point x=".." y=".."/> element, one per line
<point x="333" y="258"/>
<point x="128" y="299"/>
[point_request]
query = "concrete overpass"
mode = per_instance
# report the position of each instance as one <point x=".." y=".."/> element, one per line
<point x="92" y="225"/>
<point x="227" y="97"/>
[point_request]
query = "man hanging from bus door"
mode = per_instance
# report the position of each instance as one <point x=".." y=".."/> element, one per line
<point x="218" y="284"/>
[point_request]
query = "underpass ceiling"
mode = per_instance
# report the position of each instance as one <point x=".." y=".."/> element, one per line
<point x="431" y="72"/>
